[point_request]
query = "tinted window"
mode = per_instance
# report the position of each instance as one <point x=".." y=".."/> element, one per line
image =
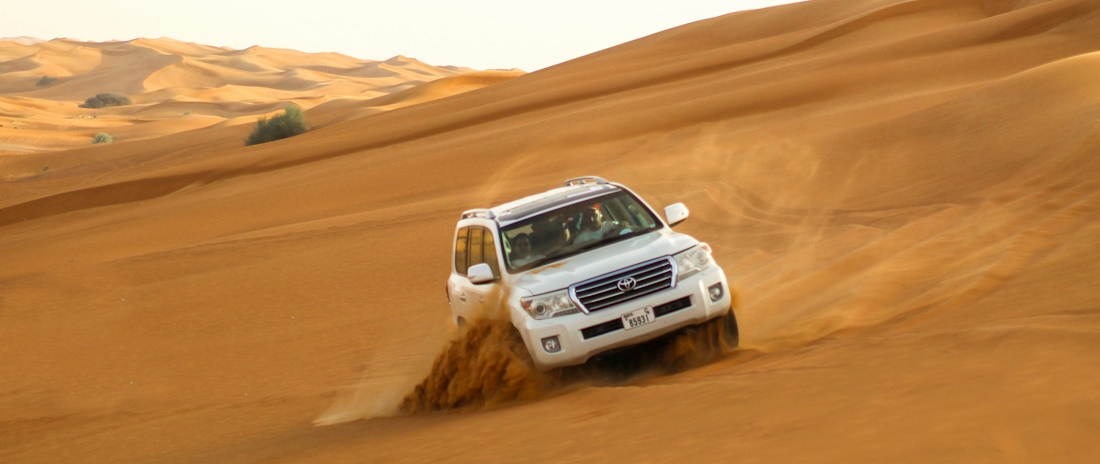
<point x="475" y="246"/>
<point x="460" y="251"/>
<point x="490" y="252"/>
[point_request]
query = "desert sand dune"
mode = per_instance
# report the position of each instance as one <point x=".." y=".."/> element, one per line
<point x="169" y="46"/>
<point x="904" y="194"/>
<point x="177" y="86"/>
<point x="338" y="110"/>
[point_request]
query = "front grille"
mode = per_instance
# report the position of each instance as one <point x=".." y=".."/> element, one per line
<point x="600" y="329"/>
<point x="617" y="324"/>
<point x="672" y="306"/>
<point x="604" y="291"/>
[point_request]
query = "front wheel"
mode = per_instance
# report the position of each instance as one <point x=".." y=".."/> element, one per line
<point x="730" y="336"/>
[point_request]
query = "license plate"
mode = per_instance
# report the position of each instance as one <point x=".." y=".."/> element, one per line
<point x="635" y="319"/>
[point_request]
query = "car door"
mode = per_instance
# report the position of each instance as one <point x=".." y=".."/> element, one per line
<point x="477" y="295"/>
<point x="482" y="249"/>
<point x="457" y="284"/>
<point x="473" y="245"/>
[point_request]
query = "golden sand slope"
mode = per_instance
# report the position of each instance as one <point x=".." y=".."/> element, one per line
<point x="905" y="194"/>
<point x="178" y="86"/>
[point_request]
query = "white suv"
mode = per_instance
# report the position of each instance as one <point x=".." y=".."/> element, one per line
<point x="584" y="269"/>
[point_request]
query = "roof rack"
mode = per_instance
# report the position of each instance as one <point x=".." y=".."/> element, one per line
<point x="478" y="212"/>
<point x="585" y="180"/>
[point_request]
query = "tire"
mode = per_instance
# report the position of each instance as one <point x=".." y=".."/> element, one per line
<point x="730" y="335"/>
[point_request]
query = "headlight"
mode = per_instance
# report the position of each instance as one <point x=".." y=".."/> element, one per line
<point x="692" y="260"/>
<point x="549" y="305"/>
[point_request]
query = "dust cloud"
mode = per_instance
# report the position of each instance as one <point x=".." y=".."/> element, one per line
<point x="485" y="364"/>
<point x="488" y="365"/>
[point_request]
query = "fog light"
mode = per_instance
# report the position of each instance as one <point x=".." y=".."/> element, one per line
<point x="551" y="345"/>
<point x="715" y="291"/>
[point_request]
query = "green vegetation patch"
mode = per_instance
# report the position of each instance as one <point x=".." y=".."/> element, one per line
<point x="290" y="123"/>
<point x="104" y="100"/>
<point x="103" y="137"/>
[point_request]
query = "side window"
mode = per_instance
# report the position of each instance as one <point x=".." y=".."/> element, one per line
<point x="475" y="246"/>
<point x="490" y="252"/>
<point x="460" y="251"/>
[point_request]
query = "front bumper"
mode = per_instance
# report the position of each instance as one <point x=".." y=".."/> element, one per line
<point x="581" y="336"/>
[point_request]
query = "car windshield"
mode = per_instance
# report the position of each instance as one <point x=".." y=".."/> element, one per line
<point x="575" y="228"/>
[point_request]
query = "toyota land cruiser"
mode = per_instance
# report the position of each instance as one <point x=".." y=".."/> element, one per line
<point x="583" y="269"/>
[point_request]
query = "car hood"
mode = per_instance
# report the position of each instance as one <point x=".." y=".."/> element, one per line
<point x="593" y="263"/>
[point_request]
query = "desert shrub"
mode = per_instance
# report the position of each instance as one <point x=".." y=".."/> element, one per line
<point x="104" y="100"/>
<point x="103" y="137"/>
<point x="45" y="80"/>
<point x="281" y="126"/>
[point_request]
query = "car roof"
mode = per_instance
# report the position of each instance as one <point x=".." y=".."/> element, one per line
<point x="526" y="207"/>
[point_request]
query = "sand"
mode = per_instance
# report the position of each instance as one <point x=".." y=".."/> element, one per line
<point x="177" y="87"/>
<point x="904" y="195"/>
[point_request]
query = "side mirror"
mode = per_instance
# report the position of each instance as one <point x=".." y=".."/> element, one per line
<point x="480" y="273"/>
<point x="676" y="213"/>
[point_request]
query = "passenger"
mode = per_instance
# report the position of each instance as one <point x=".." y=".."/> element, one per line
<point x="522" y="254"/>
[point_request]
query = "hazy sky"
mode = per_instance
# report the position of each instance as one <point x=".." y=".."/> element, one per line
<point x="482" y="34"/>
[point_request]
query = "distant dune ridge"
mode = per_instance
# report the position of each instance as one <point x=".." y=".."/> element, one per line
<point x="180" y="86"/>
<point x="904" y="194"/>
<point x="22" y="40"/>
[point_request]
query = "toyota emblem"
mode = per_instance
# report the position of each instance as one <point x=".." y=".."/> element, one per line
<point x="627" y="284"/>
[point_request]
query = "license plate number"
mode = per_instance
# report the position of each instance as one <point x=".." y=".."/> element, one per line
<point x="635" y="319"/>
